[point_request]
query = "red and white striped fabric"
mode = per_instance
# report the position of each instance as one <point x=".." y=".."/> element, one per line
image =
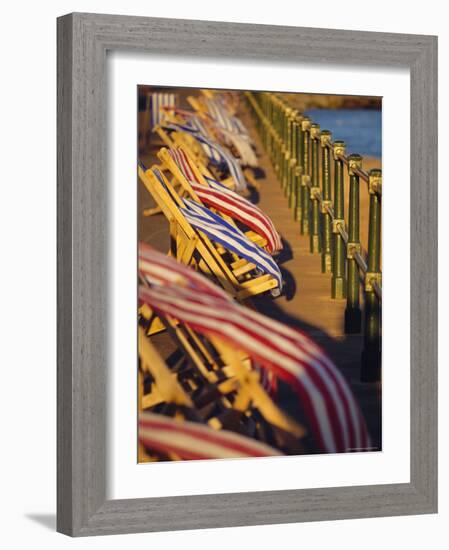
<point x="230" y="203"/>
<point x="192" y="441"/>
<point x="334" y="418"/>
<point x="158" y="269"/>
<point x="183" y="163"/>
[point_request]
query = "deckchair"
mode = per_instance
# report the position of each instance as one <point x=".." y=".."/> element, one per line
<point x="224" y="120"/>
<point x="158" y="102"/>
<point x="176" y="439"/>
<point x="217" y="111"/>
<point x="218" y="371"/>
<point x="211" y="383"/>
<point x="196" y="233"/>
<point x="175" y="135"/>
<point x="233" y="136"/>
<point x="333" y="417"/>
<point x="229" y="98"/>
<point x="156" y="268"/>
<point x="219" y="146"/>
<point x="175" y="139"/>
<point x="188" y="123"/>
<point x="218" y="156"/>
<point x="184" y="186"/>
<point x="210" y="192"/>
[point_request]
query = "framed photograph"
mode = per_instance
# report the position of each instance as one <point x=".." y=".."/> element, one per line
<point x="247" y="316"/>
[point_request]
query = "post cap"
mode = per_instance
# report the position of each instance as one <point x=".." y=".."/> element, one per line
<point x="355" y="161"/>
<point x="325" y="137"/>
<point x="375" y="181"/>
<point x="339" y="148"/>
<point x="314" y="131"/>
<point x="306" y="123"/>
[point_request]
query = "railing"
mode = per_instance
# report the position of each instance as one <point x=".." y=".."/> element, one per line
<point x="302" y="156"/>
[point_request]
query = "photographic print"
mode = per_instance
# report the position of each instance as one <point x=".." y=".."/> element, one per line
<point x="259" y="273"/>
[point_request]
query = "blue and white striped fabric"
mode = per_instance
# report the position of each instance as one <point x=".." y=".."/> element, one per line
<point x="157" y="102"/>
<point x="212" y="154"/>
<point x="230" y="237"/>
<point x="193" y="128"/>
<point x="215" y="151"/>
<point x="232" y="164"/>
<point x="223" y="119"/>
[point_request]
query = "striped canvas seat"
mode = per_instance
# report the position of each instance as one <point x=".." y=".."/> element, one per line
<point x="240" y="142"/>
<point x="231" y="238"/>
<point x="190" y="127"/>
<point x="334" y="418"/>
<point x="212" y="153"/>
<point x="231" y="128"/>
<point x="158" y="270"/>
<point x="213" y="194"/>
<point x="224" y="120"/>
<point x="242" y="146"/>
<point x="241" y="209"/>
<point x="232" y="165"/>
<point x="193" y="125"/>
<point x="194" y="441"/>
<point x="217" y="154"/>
<point x="159" y="102"/>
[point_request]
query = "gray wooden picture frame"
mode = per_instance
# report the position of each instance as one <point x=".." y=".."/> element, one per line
<point x="83" y="40"/>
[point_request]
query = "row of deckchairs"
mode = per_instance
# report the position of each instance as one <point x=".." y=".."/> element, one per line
<point x="216" y="397"/>
<point x="222" y="136"/>
<point x="227" y="126"/>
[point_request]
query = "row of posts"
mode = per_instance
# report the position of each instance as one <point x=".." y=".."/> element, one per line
<point x="305" y="158"/>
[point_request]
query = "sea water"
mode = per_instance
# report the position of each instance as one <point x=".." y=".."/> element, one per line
<point x="360" y="129"/>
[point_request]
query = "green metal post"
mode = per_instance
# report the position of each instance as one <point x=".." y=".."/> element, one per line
<point x="371" y="354"/>
<point x="326" y="203"/>
<point x="287" y="145"/>
<point x="265" y="133"/>
<point x="297" y="208"/>
<point x="338" y="288"/>
<point x="272" y="123"/>
<point x="269" y="128"/>
<point x="274" y="130"/>
<point x="315" y="237"/>
<point x="293" y="162"/>
<point x="279" y="142"/>
<point x="353" y="314"/>
<point x="305" y="178"/>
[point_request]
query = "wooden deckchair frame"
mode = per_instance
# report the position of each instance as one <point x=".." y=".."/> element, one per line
<point x="237" y="376"/>
<point x="168" y="163"/>
<point x="187" y="142"/>
<point x="186" y="240"/>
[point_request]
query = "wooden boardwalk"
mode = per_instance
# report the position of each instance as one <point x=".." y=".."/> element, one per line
<point x="306" y="302"/>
